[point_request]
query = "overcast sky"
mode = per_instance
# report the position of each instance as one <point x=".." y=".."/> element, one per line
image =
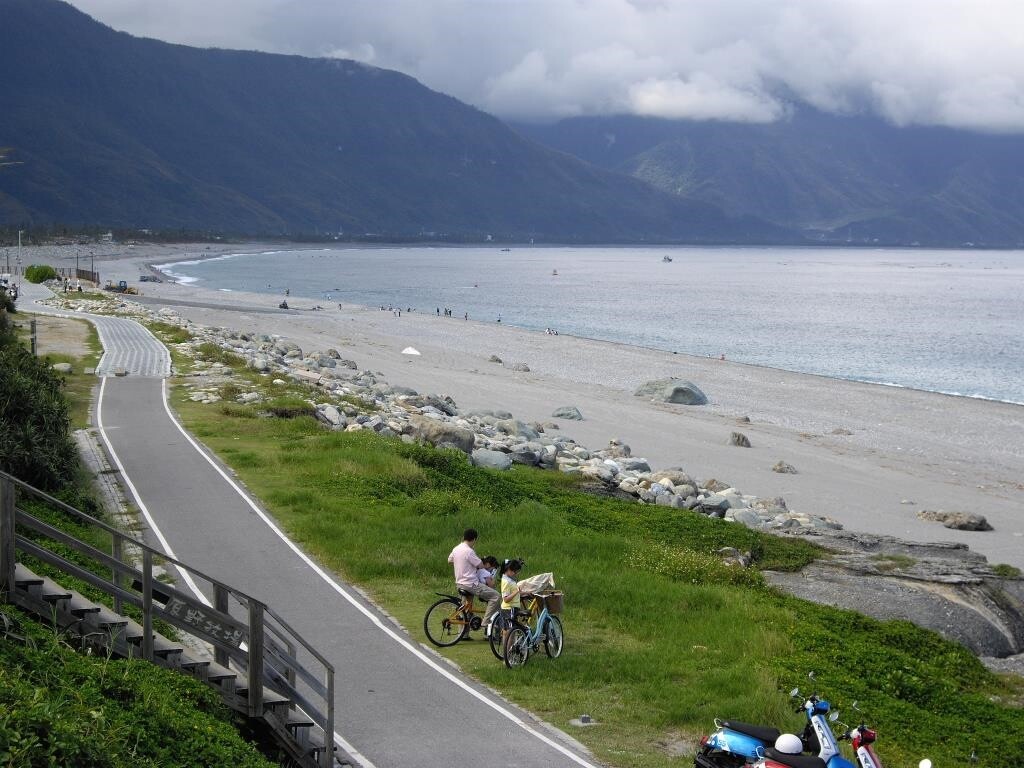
<point x="945" y="62"/>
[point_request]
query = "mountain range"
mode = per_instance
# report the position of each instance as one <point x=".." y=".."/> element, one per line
<point x="109" y="130"/>
<point x="120" y="131"/>
<point x="853" y="179"/>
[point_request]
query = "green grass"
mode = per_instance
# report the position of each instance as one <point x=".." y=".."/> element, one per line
<point x="61" y="707"/>
<point x="660" y="637"/>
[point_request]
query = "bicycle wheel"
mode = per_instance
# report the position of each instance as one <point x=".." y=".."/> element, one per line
<point x="444" y="624"/>
<point x="497" y="638"/>
<point x="517" y="647"/>
<point x="553" y="637"/>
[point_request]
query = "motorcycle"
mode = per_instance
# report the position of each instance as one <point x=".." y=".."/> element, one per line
<point x="861" y="739"/>
<point x="734" y="744"/>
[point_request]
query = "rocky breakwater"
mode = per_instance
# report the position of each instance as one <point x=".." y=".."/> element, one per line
<point x="944" y="587"/>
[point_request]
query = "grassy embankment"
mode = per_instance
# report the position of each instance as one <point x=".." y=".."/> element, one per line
<point x="660" y="637"/>
<point x="59" y="706"/>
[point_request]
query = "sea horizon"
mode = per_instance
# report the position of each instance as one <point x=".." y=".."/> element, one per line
<point x="943" y="321"/>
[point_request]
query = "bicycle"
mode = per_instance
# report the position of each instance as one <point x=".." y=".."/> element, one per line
<point x="538" y="625"/>
<point x="452" y="618"/>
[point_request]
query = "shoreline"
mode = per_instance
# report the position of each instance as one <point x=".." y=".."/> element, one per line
<point x="869" y="455"/>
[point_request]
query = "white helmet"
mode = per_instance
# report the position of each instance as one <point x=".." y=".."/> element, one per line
<point x="789" y="743"/>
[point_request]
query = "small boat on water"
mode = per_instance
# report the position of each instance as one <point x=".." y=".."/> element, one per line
<point x="554" y="273"/>
<point x="666" y="258"/>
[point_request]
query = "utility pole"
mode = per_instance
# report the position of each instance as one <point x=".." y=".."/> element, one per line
<point x="76" y="263"/>
<point x="19" y="245"/>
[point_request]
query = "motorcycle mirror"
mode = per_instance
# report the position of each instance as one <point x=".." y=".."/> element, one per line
<point x="854" y="705"/>
<point x="926" y="763"/>
<point x="811" y="674"/>
<point x="833" y="715"/>
<point x="794" y="693"/>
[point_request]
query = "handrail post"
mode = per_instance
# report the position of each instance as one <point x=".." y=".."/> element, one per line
<point x="7" y="555"/>
<point x="220" y="603"/>
<point x="115" y="574"/>
<point x="328" y="754"/>
<point x="255" y="658"/>
<point x="147" y="605"/>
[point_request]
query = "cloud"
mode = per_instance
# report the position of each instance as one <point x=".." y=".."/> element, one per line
<point x="942" y="62"/>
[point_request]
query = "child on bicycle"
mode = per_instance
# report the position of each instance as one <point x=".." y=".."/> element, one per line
<point x="488" y="570"/>
<point x="510" y="597"/>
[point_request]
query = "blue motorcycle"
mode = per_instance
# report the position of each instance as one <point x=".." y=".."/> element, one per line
<point x="735" y="744"/>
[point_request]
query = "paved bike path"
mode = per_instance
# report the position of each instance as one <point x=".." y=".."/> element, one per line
<point x="396" y="704"/>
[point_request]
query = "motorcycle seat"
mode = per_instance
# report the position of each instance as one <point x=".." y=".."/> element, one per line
<point x="760" y="732"/>
<point x="794" y="761"/>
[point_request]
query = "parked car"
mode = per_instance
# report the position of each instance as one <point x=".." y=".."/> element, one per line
<point x="149" y="279"/>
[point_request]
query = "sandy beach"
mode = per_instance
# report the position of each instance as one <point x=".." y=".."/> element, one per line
<point x="869" y="456"/>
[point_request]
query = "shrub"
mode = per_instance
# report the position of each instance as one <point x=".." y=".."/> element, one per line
<point x="35" y="440"/>
<point x="688" y="565"/>
<point x="37" y="273"/>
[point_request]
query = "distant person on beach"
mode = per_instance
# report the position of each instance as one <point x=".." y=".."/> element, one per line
<point x="466" y="563"/>
<point x="466" y="316"/>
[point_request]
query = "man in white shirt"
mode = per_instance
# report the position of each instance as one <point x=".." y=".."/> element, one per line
<point x="466" y="563"/>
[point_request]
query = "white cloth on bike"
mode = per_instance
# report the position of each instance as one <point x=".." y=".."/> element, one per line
<point x="539" y="583"/>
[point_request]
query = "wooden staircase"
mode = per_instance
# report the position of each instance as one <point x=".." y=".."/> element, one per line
<point x="260" y="666"/>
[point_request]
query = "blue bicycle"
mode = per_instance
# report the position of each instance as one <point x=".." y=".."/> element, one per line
<point x="532" y="627"/>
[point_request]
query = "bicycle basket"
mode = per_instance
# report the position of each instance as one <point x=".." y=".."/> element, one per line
<point x="553" y="602"/>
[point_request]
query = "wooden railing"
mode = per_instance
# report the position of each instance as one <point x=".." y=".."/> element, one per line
<point x="245" y="633"/>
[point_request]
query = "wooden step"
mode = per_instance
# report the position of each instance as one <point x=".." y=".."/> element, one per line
<point x="296" y="720"/>
<point x="81" y="606"/>
<point x="271" y="699"/>
<point x="52" y="592"/>
<point x="112" y="622"/>
<point x="25" y="578"/>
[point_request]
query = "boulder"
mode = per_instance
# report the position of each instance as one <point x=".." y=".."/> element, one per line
<point x="330" y="415"/>
<point x="960" y="521"/>
<point x="739" y="440"/>
<point x="635" y="465"/>
<point x="783" y="468"/>
<point x="748" y="517"/>
<point x="61" y="367"/>
<point x="435" y="432"/>
<point x="491" y="459"/>
<point x="570" y="412"/>
<point x="617" y="449"/>
<point x="494" y="359"/>
<point x="522" y="367"/>
<point x="516" y="428"/>
<point x="259" y="363"/>
<point x="675" y="474"/>
<point x="677" y="391"/>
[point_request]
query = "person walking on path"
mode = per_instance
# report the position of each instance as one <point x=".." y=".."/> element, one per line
<point x="466" y="563"/>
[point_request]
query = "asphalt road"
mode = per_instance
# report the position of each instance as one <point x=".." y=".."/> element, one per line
<point x="397" y="704"/>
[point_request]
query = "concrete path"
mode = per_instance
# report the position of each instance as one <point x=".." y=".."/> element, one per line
<point x="397" y="704"/>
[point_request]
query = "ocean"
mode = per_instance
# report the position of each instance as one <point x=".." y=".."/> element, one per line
<point x="940" y="320"/>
